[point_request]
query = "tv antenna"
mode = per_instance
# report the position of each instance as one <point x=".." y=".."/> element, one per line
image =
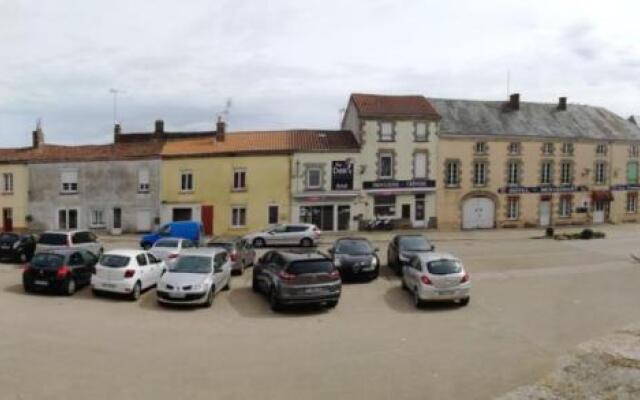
<point x="227" y="108"/>
<point x="115" y="93"/>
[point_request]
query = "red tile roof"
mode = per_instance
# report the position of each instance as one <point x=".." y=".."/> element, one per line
<point x="57" y="153"/>
<point x="412" y="106"/>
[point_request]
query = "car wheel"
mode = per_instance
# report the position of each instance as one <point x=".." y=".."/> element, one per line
<point x="228" y="285"/>
<point x="135" y="293"/>
<point x="254" y="285"/>
<point x="70" y="288"/>
<point x="404" y="284"/>
<point x="465" y="301"/>
<point x="210" y="296"/>
<point x="96" y="293"/>
<point x="306" y="242"/>
<point x="417" y="301"/>
<point x="273" y="300"/>
<point x="332" y="304"/>
<point x="27" y="288"/>
<point x="258" y="242"/>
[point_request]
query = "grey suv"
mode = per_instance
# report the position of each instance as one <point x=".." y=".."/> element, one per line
<point x="288" y="277"/>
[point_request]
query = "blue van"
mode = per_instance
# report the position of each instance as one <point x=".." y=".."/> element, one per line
<point x="191" y="230"/>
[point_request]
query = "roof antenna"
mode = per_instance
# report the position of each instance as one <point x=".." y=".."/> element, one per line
<point x="115" y="93"/>
<point x="227" y="108"/>
<point x="508" y="83"/>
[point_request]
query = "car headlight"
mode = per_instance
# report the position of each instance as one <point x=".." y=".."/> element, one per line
<point x="197" y="287"/>
<point x="374" y="262"/>
<point x="337" y="262"/>
<point x="16" y="245"/>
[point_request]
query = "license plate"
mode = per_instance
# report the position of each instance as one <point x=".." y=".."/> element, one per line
<point x="446" y="292"/>
<point x="177" y="295"/>
<point x="41" y="283"/>
<point x="108" y="285"/>
<point x="5" y="247"/>
<point x="313" y="290"/>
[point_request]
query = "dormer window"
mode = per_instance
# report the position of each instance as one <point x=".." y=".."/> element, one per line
<point x="601" y="149"/>
<point x="514" y="148"/>
<point x="567" y="149"/>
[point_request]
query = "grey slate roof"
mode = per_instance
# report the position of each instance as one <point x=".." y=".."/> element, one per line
<point x="470" y="117"/>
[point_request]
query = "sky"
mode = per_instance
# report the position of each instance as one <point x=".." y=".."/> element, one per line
<point x="292" y="64"/>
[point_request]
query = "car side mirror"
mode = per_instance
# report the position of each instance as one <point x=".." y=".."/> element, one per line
<point x="433" y="248"/>
<point x="376" y="250"/>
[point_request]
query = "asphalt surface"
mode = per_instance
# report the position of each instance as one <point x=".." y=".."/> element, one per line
<point x="532" y="300"/>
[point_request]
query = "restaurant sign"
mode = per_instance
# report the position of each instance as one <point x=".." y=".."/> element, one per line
<point x="396" y="184"/>
<point x="542" y="189"/>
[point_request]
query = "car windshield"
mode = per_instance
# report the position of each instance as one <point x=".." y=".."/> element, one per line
<point x="414" y="243"/>
<point x="310" y="267"/>
<point x="114" y="261"/>
<point x="166" y="243"/>
<point x="192" y="265"/>
<point x="444" y="267"/>
<point x="47" y="260"/>
<point x="224" y="245"/>
<point x="8" y="236"/>
<point x="354" y="247"/>
<point x="53" y="239"/>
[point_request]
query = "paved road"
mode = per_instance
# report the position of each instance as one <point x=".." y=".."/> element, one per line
<point x="532" y="301"/>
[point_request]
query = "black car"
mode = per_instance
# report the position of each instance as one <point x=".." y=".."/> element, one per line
<point x="62" y="271"/>
<point x="289" y="277"/>
<point x="402" y="247"/>
<point x="355" y="257"/>
<point x="16" y="247"/>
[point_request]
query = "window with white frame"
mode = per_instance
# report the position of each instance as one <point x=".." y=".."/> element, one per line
<point x="480" y="173"/>
<point x="546" y="173"/>
<point x="567" y="149"/>
<point x="384" y="206"/>
<point x="601" y="149"/>
<point x="632" y="202"/>
<point x="514" y="148"/>
<point x="452" y="173"/>
<point x="513" y="208"/>
<point x="186" y="181"/>
<point x="143" y="180"/>
<point x="480" y="147"/>
<point x="565" y="206"/>
<point x="634" y="150"/>
<point x="513" y="172"/>
<point x="547" y="149"/>
<point x="7" y="183"/>
<point x="314" y="178"/>
<point x="385" y="166"/>
<point x="69" y="179"/>
<point x="238" y="216"/>
<point x="566" y="173"/>
<point x="97" y="218"/>
<point x="239" y="179"/>
<point x="601" y="173"/>
<point x="422" y="133"/>
<point x="386" y="131"/>
<point x="420" y="165"/>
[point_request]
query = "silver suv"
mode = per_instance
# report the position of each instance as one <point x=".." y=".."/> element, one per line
<point x="78" y="239"/>
<point x="305" y="235"/>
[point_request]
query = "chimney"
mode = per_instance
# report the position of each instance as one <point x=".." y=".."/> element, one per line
<point x="159" y="127"/>
<point x="562" y="104"/>
<point x="634" y="120"/>
<point x="514" y="102"/>
<point x="220" y="129"/>
<point x="37" y="136"/>
<point x="117" y="131"/>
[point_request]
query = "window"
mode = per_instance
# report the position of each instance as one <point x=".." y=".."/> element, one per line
<point x="565" y="206"/>
<point x="314" y="178"/>
<point x="7" y="183"/>
<point x="546" y="173"/>
<point x="601" y="149"/>
<point x="273" y="215"/>
<point x="513" y="208"/>
<point x="547" y="149"/>
<point x="239" y="179"/>
<point x="69" y="181"/>
<point x="238" y="217"/>
<point x="632" y="202"/>
<point x="143" y="181"/>
<point x="386" y="132"/>
<point x="514" y="148"/>
<point x="97" y="218"/>
<point x="385" y="166"/>
<point x="186" y="181"/>
<point x="452" y="173"/>
<point x="566" y="173"/>
<point x="601" y="173"/>
<point x="513" y="171"/>
<point x="422" y="135"/>
<point x="384" y="206"/>
<point x="479" y="173"/>
<point x="634" y="150"/>
<point x="632" y="172"/>
<point x="420" y="165"/>
<point x="141" y="259"/>
<point x="567" y="149"/>
<point x="480" y="148"/>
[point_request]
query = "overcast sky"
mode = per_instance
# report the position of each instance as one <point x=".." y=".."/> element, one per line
<point x="289" y="64"/>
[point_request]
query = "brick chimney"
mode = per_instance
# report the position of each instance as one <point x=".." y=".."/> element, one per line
<point x="562" y="104"/>
<point x="159" y="127"/>
<point x="117" y="131"/>
<point x="220" y="129"/>
<point x="514" y="102"/>
<point x="37" y="136"/>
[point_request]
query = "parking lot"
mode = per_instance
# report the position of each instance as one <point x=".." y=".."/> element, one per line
<point x="532" y="301"/>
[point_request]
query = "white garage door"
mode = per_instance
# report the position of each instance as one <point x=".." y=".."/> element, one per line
<point x="478" y="213"/>
<point x="143" y="221"/>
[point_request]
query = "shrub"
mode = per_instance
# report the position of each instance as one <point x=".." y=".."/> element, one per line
<point x="549" y="232"/>
<point x="586" y="234"/>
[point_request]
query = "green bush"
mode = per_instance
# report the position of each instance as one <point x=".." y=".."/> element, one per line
<point x="586" y="234"/>
<point x="549" y="232"/>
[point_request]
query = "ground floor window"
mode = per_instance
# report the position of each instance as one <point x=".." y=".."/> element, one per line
<point x="239" y="217"/>
<point x="321" y="216"/>
<point x="97" y="218"/>
<point x="344" y="217"/>
<point x="67" y="219"/>
<point x="632" y="202"/>
<point x="565" y="206"/>
<point x="273" y="215"/>
<point x="384" y="206"/>
<point x="513" y="208"/>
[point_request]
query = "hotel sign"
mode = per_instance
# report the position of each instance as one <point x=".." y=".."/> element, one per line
<point x="395" y="184"/>
<point x="542" y="189"/>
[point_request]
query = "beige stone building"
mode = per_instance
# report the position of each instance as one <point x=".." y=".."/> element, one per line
<point x="521" y="164"/>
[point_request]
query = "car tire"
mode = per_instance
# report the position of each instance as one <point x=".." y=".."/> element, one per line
<point x="258" y="243"/>
<point x="210" y="297"/>
<point x="464" y="302"/>
<point x="136" y="292"/>
<point x="274" y="302"/>
<point x="22" y="258"/>
<point x="227" y="286"/>
<point x="332" y="304"/>
<point x="404" y="284"/>
<point x="27" y="288"/>
<point x="96" y="293"/>
<point x="417" y="301"/>
<point x="70" y="287"/>
<point x="306" y="242"/>
<point x="254" y="285"/>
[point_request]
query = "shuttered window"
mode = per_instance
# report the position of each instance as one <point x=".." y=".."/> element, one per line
<point x="420" y="165"/>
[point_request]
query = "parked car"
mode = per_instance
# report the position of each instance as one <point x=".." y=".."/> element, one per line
<point x="79" y="239"/>
<point x="168" y="249"/>
<point x="241" y="253"/>
<point x="196" y="277"/>
<point x="16" y="247"/>
<point x="288" y="277"/>
<point x="305" y="235"/>
<point x="191" y="230"/>
<point x="60" y="270"/>
<point x="355" y="257"/>
<point x="402" y="247"/>
<point x="436" y="277"/>
<point x="127" y="272"/>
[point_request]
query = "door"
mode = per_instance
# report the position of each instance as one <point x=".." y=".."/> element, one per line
<point x="7" y="219"/>
<point x="143" y="221"/>
<point x="599" y="208"/>
<point x="207" y="219"/>
<point x="68" y="219"/>
<point x="406" y="211"/>
<point x="117" y="218"/>
<point x="155" y="266"/>
<point x="344" y="218"/>
<point x="545" y="213"/>
<point x="182" y="214"/>
<point x="478" y="213"/>
<point x="145" y="273"/>
<point x="419" y="215"/>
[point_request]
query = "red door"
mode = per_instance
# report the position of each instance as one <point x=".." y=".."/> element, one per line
<point x="207" y="219"/>
<point x="7" y="220"/>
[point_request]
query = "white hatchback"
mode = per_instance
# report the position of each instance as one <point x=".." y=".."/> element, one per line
<point x="126" y="272"/>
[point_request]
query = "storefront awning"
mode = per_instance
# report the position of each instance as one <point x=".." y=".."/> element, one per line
<point x="601" y="195"/>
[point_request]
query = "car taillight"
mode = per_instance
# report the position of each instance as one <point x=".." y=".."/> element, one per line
<point x="234" y="257"/>
<point x="335" y="274"/>
<point x="62" y="272"/>
<point x="465" y="278"/>
<point x="129" y="273"/>
<point x="425" y="279"/>
<point x="285" y="276"/>
<point x="26" y="267"/>
<point x="172" y="256"/>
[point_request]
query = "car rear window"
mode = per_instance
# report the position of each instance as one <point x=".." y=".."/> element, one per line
<point x="114" y="261"/>
<point x="415" y="243"/>
<point x="310" y="267"/>
<point x="167" y="243"/>
<point x="53" y="239"/>
<point x="355" y="247"/>
<point x="225" y="245"/>
<point x="444" y="267"/>
<point x="47" y="260"/>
